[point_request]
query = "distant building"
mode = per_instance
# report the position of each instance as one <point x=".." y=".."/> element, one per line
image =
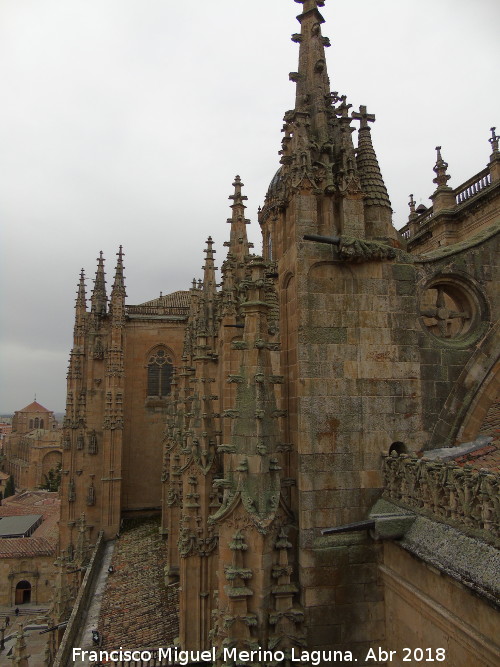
<point x="5" y="431"/>
<point x="33" y="448"/>
<point x="33" y="416"/>
<point x="28" y="547"/>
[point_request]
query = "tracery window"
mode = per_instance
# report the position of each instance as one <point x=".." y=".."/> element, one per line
<point x="160" y="369"/>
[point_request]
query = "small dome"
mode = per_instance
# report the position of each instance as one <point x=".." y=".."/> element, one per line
<point x="276" y="180"/>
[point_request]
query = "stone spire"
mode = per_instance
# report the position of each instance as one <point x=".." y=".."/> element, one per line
<point x="80" y="310"/>
<point x="118" y="294"/>
<point x="377" y="205"/>
<point x="369" y="171"/>
<point x="99" y="300"/>
<point x="313" y="85"/>
<point x="238" y="243"/>
<point x="209" y="284"/>
<point x="119" y="283"/>
<point x="81" y="298"/>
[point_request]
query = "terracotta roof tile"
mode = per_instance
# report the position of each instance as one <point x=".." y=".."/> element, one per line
<point x="43" y="542"/>
<point x="178" y="299"/>
<point x="21" y="547"/>
<point x="34" y="407"/>
<point x="486" y="458"/>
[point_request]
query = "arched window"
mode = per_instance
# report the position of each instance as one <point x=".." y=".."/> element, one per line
<point x="36" y="422"/>
<point x="41" y="423"/>
<point x="159" y="373"/>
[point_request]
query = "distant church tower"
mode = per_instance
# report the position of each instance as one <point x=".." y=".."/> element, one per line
<point x="119" y="378"/>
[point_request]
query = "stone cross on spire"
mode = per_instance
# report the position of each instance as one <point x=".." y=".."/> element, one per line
<point x="363" y="117"/>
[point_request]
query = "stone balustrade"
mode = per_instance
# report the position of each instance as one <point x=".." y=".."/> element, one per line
<point x="177" y="311"/>
<point x="473" y="186"/>
<point x="463" y="193"/>
<point x="449" y="492"/>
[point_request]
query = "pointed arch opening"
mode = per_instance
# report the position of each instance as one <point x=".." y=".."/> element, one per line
<point x="159" y="369"/>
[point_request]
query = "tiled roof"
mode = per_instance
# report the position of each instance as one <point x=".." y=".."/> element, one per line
<point x="34" y="407"/>
<point x="487" y="457"/>
<point x="21" y="547"/>
<point x="43" y="542"/>
<point x="178" y="299"/>
<point x="138" y="585"/>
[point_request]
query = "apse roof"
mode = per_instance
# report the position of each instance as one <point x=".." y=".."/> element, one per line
<point x="34" y="407"/>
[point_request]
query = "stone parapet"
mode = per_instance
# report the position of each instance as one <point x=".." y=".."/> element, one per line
<point x="81" y="604"/>
<point x="452" y="494"/>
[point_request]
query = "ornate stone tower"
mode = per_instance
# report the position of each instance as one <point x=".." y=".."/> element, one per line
<point x="119" y="379"/>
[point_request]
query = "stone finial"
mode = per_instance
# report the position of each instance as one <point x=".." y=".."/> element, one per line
<point x="411" y="204"/>
<point x="440" y="169"/>
<point x="237" y="197"/>
<point x="494" y="140"/>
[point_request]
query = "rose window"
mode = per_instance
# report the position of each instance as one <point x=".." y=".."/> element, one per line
<point x="450" y="309"/>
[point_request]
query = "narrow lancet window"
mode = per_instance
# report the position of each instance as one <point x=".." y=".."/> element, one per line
<point x="159" y="373"/>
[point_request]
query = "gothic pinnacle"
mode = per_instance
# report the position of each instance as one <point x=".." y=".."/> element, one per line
<point x="119" y="283"/>
<point x="238" y="242"/>
<point x="209" y="268"/>
<point x="99" y="299"/>
<point x="313" y="85"/>
<point x="81" y="298"/>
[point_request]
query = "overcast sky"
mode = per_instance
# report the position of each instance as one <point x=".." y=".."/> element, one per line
<point x="125" y="121"/>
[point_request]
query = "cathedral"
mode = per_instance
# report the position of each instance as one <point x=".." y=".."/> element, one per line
<point x="316" y="427"/>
